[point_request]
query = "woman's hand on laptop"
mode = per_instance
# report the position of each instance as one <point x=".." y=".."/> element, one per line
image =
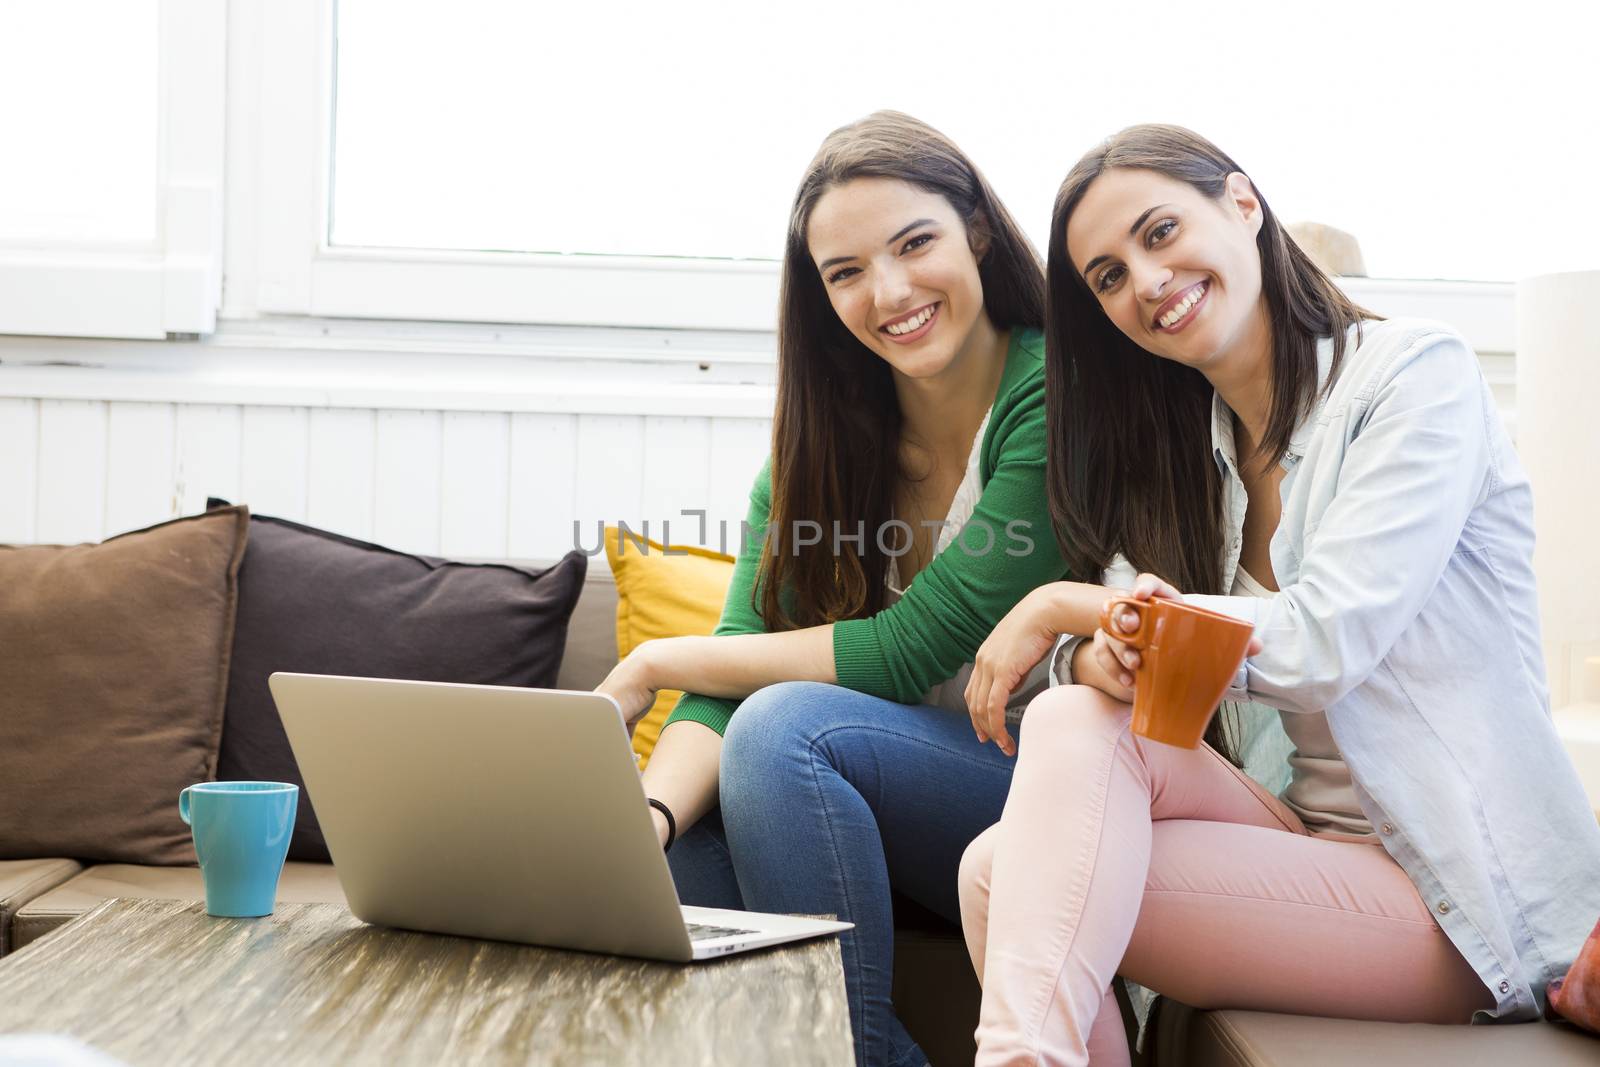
<point x="630" y="686"/>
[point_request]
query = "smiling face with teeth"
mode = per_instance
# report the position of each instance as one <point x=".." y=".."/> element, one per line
<point x="901" y="274"/>
<point x="1176" y="271"/>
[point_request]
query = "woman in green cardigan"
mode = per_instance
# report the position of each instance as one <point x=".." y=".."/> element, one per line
<point x="904" y="514"/>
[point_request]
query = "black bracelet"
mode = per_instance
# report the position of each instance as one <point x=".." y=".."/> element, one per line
<point x="672" y="824"/>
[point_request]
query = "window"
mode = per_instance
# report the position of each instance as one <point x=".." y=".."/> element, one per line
<point x="638" y="159"/>
<point x="110" y="200"/>
<point x="83" y="147"/>
<point x="632" y="164"/>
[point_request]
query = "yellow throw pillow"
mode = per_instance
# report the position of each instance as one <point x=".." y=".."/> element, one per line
<point x="660" y="595"/>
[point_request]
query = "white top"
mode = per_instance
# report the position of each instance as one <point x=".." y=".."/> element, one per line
<point x="951" y="694"/>
<point x="1320" y="788"/>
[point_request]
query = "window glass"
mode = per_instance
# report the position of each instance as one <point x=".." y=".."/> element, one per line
<point x="79" y="129"/>
<point x="1454" y="141"/>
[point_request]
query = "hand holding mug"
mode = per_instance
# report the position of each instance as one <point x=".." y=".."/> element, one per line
<point x="1181" y="659"/>
<point x="1111" y="651"/>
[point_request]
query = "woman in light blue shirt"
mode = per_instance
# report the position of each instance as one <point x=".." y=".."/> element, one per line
<point x="1224" y="417"/>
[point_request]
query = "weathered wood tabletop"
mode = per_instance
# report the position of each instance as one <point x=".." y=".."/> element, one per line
<point x="161" y="982"/>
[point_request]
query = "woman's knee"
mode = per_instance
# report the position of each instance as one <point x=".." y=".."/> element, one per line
<point x="977" y="864"/>
<point x="774" y="716"/>
<point x="1072" y="715"/>
<point x="973" y="877"/>
<point x="773" y="729"/>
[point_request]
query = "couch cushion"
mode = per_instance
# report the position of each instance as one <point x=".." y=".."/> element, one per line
<point x="591" y="634"/>
<point x="1264" y="1039"/>
<point x="21" y="881"/>
<point x="300" y="883"/>
<point x="115" y="660"/>
<point x="316" y="602"/>
<point x="661" y="594"/>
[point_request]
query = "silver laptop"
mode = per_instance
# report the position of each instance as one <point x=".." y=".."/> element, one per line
<point x="511" y="814"/>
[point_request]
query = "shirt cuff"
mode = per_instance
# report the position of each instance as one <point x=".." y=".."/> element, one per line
<point x="707" y="711"/>
<point x="1061" y="659"/>
<point x="859" y="662"/>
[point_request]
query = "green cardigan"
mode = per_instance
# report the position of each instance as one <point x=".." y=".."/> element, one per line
<point x="958" y="598"/>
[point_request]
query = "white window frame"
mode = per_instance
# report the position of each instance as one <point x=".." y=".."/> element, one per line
<point x="293" y="270"/>
<point x="174" y="285"/>
<point x="299" y="273"/>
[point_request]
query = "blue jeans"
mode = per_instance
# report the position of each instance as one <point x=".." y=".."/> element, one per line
<point x="828" y="798"/>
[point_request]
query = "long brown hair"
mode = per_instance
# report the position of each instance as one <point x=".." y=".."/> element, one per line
<point x="836" y="433"/>
<point x="1130" y="465"/>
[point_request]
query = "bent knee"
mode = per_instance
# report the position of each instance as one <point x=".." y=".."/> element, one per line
<point x="1073" y="714"/>
<point x="774" y="717"/>
<point x="977" y="862"/>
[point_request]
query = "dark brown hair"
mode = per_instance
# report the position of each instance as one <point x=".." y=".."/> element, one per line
<point x="1130" y="466"/>
<point x="836" y="433"/>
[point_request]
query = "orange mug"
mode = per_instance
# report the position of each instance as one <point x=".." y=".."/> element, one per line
<point x="1188" y="657"/>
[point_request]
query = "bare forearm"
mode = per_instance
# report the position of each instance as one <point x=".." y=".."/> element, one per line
<point x="682" y="773"/>
<point x="1076" y="607"/>
<point x="737" y="665"/>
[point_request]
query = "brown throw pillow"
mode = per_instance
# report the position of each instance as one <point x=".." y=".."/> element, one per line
<point x="114" y="667"/>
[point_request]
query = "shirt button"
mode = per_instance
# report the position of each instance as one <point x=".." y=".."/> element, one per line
<point x="1387" y="829"/>
<point x="1505" y="987"/>
<point x="1443" y="907"/>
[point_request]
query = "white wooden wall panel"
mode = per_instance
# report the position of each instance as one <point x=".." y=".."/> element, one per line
<point x="341" y="463"/>
<point x="406" y="498"/>
<point x="19" y="469"/>
<point x="478" y="484"/>
<point x="677" y="477"/>
<point x="476" y="466"/>
<point x="542" y="492"/>
<point x="610" y="485"/>
<point x="272" y="462"/>
<point x="72" y="471"/>
<point x="208" y="455"/>
<point x="141" y="466"/>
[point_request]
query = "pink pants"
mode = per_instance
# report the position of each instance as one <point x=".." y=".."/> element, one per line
<point x="1118" y="855"/>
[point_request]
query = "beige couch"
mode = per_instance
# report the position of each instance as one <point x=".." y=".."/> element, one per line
<point x="935" y="990"/>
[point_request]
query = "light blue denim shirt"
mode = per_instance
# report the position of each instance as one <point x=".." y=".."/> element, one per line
<point x="1407" y="611"/>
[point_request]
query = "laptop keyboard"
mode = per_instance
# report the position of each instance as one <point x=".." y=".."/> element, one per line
<point x="703" y="932"/>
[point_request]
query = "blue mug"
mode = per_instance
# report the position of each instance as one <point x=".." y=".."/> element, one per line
<point x="241" y="835"/>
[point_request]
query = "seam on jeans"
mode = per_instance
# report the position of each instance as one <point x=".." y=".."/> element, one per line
<point x="918" y="739"/>
<point x="1429" y="923"/>
<point x="813" y="745"/>
<point x="844" y="891"/>
<point x="1068" y="925"/>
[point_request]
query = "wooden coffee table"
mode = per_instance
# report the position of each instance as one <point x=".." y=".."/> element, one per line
<point x="161" y="982"/>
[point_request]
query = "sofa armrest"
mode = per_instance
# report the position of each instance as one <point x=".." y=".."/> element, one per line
<point x="23" y="880"/>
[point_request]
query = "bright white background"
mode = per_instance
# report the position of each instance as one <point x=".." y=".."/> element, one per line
<point x="78" y="121"/>
<point x="1455" y="140"/>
